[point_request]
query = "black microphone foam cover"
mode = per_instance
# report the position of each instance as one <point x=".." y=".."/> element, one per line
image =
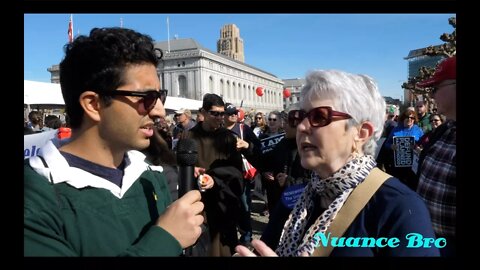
<point x="186" y="152"/>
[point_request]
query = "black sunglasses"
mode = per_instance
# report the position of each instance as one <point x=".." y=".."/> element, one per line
<point x="216" y="113"/>
<point x="317" y="117"/>
<point x="149" y="98"/>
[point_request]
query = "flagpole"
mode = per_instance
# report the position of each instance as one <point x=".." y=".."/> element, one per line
<point x="70" y="29"/>
<point x="168" y="34"/>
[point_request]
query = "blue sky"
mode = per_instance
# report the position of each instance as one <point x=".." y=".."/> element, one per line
<point x="286" y="45"/>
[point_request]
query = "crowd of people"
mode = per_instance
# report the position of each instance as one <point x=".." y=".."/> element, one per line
<point x="37" y="123"/>
<point x="111" y="189"/>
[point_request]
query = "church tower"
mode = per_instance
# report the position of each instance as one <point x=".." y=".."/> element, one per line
<point x="230" y="43"/>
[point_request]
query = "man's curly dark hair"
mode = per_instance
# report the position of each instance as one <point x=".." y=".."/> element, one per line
<point x="98" y="62"/>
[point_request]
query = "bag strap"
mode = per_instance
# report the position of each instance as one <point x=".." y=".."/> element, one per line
<point x="352" y="207"/>
<point x="241" y="131"/>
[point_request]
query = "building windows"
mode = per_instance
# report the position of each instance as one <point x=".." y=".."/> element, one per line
<point x="235" y="92"/>
<point x="222" y="89"/>
<point x="182" y="86"/>
<point x="210" y="84"/>
<point x="228" y="94"/>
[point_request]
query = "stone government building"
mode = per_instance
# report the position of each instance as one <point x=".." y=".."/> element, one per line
<point x="190" y="70"/>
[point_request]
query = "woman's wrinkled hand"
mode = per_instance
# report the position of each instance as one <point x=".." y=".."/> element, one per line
<point x="261" y="248"/>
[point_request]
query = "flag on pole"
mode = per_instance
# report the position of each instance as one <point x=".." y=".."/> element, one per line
<point x="70" y="29"/>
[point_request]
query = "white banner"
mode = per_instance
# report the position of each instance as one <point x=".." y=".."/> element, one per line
<point x="33" y="142"/>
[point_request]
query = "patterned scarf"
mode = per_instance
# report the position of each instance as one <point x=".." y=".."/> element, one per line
<point x="337" y="187"/>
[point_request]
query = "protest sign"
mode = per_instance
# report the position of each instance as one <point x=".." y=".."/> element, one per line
<point x="403" y="152"/>
<point x="269" y="143"/>
<point x="291" y="194"/>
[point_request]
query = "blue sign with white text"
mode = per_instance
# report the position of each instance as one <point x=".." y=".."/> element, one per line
<point x="291" y="194"/>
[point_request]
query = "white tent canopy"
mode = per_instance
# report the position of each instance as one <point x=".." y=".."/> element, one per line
<point x="177" y="103"/>
<point x="42" y="93"/>
<point x="35" y="93"/>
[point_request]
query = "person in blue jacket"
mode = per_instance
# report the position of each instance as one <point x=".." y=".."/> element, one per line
<point x="340" y="120"/>
<point x="406" y="127"/>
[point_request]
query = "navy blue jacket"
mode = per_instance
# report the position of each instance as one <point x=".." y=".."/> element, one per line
<point x="393" y="211"/>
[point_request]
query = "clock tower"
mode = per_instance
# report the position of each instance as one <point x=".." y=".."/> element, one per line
<point x="230" y="44"/>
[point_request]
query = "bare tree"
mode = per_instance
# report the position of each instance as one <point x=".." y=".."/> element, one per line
<point x="447" y="49"/>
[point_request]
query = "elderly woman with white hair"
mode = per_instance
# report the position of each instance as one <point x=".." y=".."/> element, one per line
<point x="340" y="120"/>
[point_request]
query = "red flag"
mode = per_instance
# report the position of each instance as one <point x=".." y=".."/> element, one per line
<point x="70" y="30"/>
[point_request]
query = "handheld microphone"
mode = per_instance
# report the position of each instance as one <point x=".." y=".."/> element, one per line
<point x="186" y="158"/>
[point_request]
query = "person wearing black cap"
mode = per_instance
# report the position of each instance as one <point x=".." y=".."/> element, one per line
<point x="437" y="164"/>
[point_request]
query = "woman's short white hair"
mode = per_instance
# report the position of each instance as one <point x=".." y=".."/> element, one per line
<point x="354" y="94"/>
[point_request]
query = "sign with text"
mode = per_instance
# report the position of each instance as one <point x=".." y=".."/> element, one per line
<point x="403" y="153"/>
<point x="291" y="195"/>
<point x="269" y="143"/>
<point x="33" y="142"/>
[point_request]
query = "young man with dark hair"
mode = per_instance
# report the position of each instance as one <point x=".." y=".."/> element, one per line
<point x="218" y="157"/>
<point x="95" y="195"/>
